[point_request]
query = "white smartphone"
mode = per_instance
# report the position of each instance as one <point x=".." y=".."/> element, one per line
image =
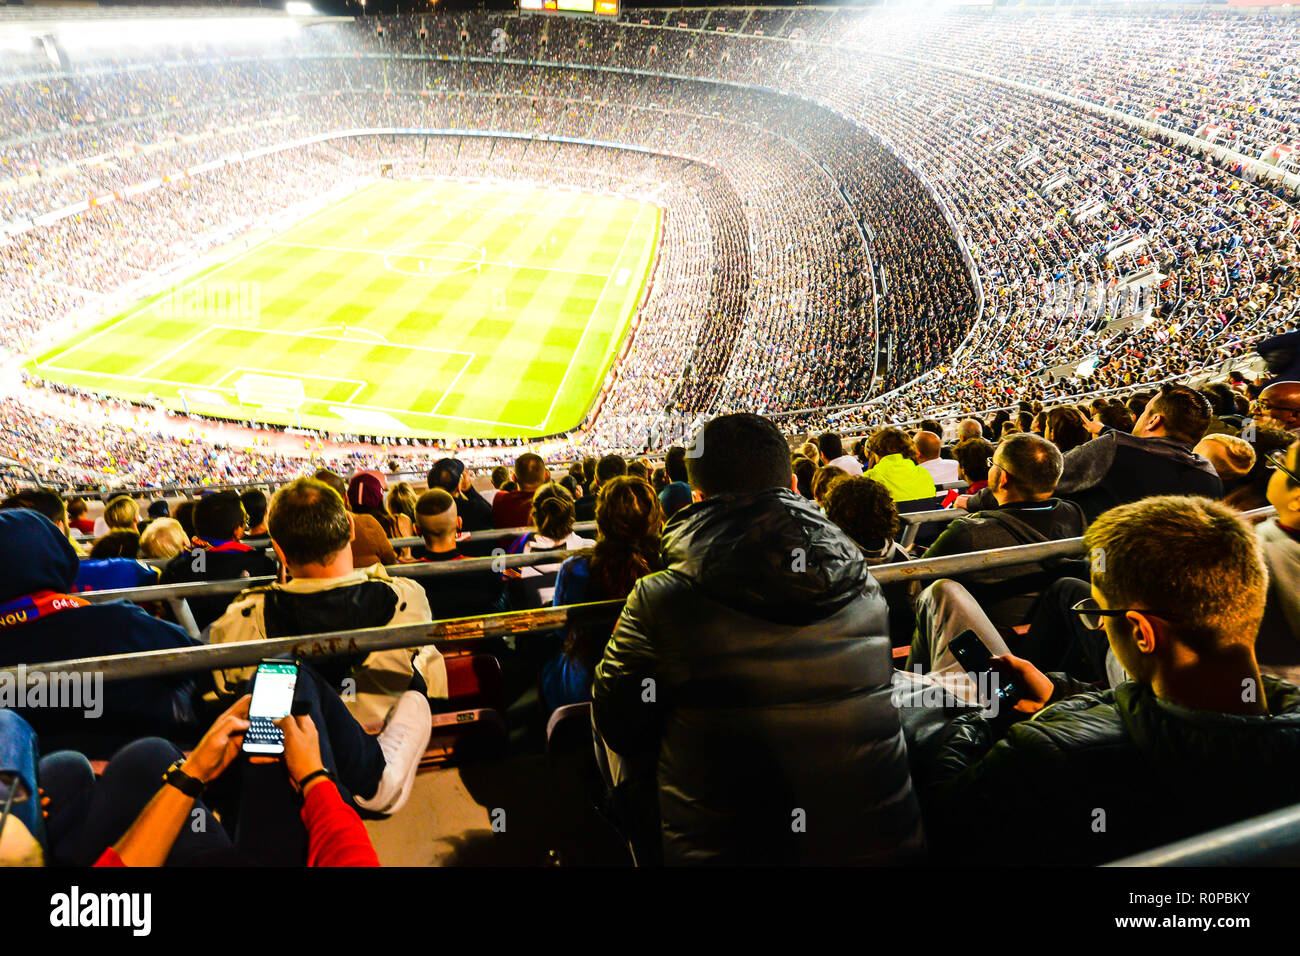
<point x="272" y="700"/>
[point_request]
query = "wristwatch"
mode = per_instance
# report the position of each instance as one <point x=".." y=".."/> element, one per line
<point x="322" y="772"/>
<point x="192" y="787"/>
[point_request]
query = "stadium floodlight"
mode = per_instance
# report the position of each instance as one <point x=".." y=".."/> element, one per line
<point x="298" y="9"/>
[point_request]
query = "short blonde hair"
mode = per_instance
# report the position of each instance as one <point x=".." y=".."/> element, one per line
<point x="164" y="538"/>
<point x="122" y="512"/>
<point x="1235" y="457"/>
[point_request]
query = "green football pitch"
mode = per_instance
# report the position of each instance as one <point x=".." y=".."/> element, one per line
<point x="427" y="309"/>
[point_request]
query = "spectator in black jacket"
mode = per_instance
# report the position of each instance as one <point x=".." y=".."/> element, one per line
<point x="460" y="595"/>
<point x="1197" y="739"/>
<point x="451" y="476"/>
<point x="1156" y="459"/>
<point x="755" y="665"/>
<point x="1023" y="474"/>
<point x="218" y="554"/>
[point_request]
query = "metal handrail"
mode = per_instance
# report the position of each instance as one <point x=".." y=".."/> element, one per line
<point x="1273" y="838"/>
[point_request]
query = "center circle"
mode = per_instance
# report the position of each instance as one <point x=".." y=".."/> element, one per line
<point x="439" y="259"/>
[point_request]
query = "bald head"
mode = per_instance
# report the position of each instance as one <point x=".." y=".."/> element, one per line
<point x="436" y="520"/>
<point x="1281" y="403"/>
<point x="969" y="428"/>
<point x="928" y="446"/>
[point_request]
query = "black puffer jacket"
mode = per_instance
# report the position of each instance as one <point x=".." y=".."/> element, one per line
<point x="1116" y="468"/>
<point x="757" y="664"/>
<point x="1098" y="776"/>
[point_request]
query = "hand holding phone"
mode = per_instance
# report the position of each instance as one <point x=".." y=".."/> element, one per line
<point x="977" y="660"/>
<point x="272" y="701"/>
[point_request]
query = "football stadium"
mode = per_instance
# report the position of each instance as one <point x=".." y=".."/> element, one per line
<point x="530" y="434"/>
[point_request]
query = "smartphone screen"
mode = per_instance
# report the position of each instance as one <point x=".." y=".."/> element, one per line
<point x="977" y="660"/>
<point x="272" y="701"/>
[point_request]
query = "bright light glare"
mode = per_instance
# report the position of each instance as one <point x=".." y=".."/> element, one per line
<point x="211" y="30"/>
<point x="298" y="9"/>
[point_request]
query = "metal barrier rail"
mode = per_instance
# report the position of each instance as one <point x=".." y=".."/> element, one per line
<point x="1272" y="839"/>
<point x="189" y="660"/>
<point x="913" y="520"/>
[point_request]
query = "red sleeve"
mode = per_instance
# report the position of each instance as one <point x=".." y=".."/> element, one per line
<point x="335" y="834"/>
<point x="109" y="858"/>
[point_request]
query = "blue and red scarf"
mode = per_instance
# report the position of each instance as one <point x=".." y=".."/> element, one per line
<point x="29" y="607"/>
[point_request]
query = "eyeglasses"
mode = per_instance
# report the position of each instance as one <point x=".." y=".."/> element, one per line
<point x="1091" y="613"/>
<point x="1277" y="461"/>
<point x="991" y="463"/>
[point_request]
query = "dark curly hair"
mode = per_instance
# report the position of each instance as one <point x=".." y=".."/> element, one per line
<point x="892" y="441"/>
<point x="864" y="509"/>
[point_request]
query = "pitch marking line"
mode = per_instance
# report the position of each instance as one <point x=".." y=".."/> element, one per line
<point x="594" y="309"/>
<point x="467" y="263"/>
<point x="447" y="390"/>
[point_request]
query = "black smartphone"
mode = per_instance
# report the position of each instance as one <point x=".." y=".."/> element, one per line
<point x="273" y="686"/>
<point x="977" y="660"/>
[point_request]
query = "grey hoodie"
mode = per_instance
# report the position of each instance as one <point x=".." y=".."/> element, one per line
<point x="1277" y="647"/>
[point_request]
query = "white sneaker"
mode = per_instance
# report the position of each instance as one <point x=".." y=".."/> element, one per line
<point x="403" y="740"/>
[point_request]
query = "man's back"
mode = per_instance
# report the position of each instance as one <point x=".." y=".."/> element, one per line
<point x="1100" y="776"/>
<point x="766" y="651"/>
<point x="224" y="563"/>
<point x="512" y="509"/>
<point x="1008" y="595"/>
<point x="1115" y="468"/>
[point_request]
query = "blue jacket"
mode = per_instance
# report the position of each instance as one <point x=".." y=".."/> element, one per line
<point x="36" y="557"/>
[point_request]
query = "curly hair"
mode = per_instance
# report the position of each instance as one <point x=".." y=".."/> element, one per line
<point x="864" y="510"/>
<point x="553" y="511"/>
<point x="892" y="441"/>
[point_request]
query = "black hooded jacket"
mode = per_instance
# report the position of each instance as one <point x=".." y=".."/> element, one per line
<point x="1099" y="776"/>
<point x="1116" y="468"/>
<point x="758" y="664"/>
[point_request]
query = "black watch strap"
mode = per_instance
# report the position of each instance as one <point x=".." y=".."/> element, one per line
<point x="322" y="772"/>
<point x="182" y="781"/>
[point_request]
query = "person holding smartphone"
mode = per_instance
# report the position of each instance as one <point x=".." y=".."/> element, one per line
<point x="336" y="836"/>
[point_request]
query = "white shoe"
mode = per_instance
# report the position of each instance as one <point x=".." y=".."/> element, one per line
<point x="403" y="740"/>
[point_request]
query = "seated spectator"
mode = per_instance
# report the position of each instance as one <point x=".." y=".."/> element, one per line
<point x="184" y="513"/>
<point x="366" y="497"/>
<point x="677" y="493"/>
<point x="761" y="640"/>
<point x="1065" y="428"/>
<point x="552" y="514"/>
<point x="628" y="522"/>
<point x="974" y="458"/>
<point x="1278" y="645"/>
<point x="864" y="510"/>
<point x="1280" y="403"/>
<point x="311" y="532"/>
<point x="513" y="509"/>
<point x="77" y="519"/>
<point x="158" y="508"/>
<point x="1232" y="457"/>
<point x="1023" y="475"/>
<point x="370" y="544"/>
<point x="42" y="622"/>
<point x="120" y="513"/>
<point x="165" y="538"/>
<point x="1156" y="459"/>
<point x="831" y="451"/>
<point x="969" y="428"/>
<point x="608" y="468"/>
<point x="822" y="479"/>
<point x="1251" y="492"/>
<point x="893" y="457"/>
<point x="119" y="543"/>
<point x="459" y="595"/>
<point x="1180" y="598"/>
<point x="928" y="449"/>
<point x="1281" y="353"/>
<point x="473" y="509"/>
<point x="217" y="553"/>
<point x="254" y="502"/>
<point x="500" y="475"/>
<point x="804" y="469"/>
